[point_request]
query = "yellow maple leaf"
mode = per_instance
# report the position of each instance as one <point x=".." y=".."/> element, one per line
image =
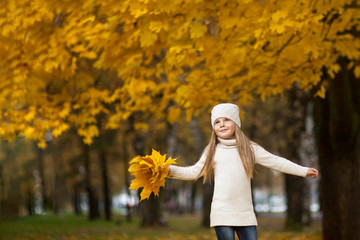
<point x="197" y="30"/>
<point x="147" y="38"/>
<point x="149" y="172"/>
<point x="156" y="26"/>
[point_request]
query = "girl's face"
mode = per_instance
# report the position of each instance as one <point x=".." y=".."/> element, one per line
<point x="224" y="128"/>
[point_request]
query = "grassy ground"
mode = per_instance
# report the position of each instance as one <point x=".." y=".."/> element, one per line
<point x="180" y="227"/>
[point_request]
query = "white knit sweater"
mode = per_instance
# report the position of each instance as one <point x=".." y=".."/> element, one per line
<point x="232" y="201"/>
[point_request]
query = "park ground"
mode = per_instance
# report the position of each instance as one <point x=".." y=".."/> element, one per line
<point x="69" y="227"/>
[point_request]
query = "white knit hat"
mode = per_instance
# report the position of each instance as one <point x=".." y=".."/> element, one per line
<point x="227" y="110"/>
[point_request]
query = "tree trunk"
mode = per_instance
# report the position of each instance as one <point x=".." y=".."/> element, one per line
<point x="309" y="157"/>
<point x="168" y="191"/>
<point x="149" y="207"/>
<point x="92" y="199"/>
<point x="76" y="200"/>
<point x="193" y="197"/>
<point x="150" y="210"/>
<point x="30" y="202"/>
<point x="59" y="192"/>
<point x="294" y="193"/>
<point x="57" y="195"/>
<point x="105" y="181"/>
<point x="45" y="198"/>
<point x="2" y="188"/>
<point x="295" y="186"/>
<point x="126" y="178"/>
<point x="199" y="144"/>
<point x="337" y="134"/>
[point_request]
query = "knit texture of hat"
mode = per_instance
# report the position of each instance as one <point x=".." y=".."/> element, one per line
<point x="227" y="110"/>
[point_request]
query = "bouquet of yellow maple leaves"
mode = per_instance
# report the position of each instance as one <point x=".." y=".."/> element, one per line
<point x="150" y="172"/>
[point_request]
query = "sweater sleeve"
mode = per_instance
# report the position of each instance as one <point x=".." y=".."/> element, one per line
<point x="188" y="173"/>
<point x="277" y="163"/>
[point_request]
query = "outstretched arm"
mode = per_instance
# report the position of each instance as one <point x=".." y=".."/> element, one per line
<point x="277" y="163"/>
<point x="312" y="172"/>
<point x="189" y="172"/>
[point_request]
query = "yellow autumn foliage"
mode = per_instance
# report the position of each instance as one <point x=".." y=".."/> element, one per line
<point x="149" y="172"/>
<point x="64" y="63"/>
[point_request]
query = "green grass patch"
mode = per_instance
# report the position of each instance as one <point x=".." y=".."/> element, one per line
<point x="79" y="227"/>
<point x="70" y="227"/>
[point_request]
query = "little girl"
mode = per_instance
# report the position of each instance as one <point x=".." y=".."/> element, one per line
<point x="229" y="160"/>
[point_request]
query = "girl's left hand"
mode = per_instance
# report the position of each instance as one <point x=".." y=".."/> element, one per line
<point x="312" y="172"/>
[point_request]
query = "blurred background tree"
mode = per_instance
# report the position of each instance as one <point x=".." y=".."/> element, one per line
<point x="94" y="66"/>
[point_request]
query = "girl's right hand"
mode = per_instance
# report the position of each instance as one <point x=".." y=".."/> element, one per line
<point x="312" y="172"/>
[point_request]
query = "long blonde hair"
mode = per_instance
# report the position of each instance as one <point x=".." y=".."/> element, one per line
<point x="245" y="150"/>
